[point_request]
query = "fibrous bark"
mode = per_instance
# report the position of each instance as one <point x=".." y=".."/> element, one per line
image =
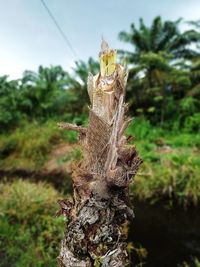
<point x="100" y="206"/>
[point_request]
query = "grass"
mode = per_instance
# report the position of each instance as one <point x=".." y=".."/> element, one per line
<point x="28" y="147"/>
<point x="171" y="167"/>
<point x="29" y="232"/>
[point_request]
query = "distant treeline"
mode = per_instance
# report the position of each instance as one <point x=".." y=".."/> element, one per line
<point x="163" y="83"/>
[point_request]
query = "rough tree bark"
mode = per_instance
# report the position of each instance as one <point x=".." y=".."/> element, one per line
<point x="100" y="206"/>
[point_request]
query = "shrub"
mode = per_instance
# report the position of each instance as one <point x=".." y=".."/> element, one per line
<point x="192" y="123"/>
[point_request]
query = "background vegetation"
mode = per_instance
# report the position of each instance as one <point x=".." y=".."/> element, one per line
<point x="164" y="98"/>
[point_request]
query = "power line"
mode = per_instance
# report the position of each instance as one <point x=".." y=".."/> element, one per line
<point x="60" y="29"/>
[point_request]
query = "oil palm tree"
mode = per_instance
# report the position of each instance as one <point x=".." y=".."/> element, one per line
<point x="9" y="102"/>
<point x="43" y="93"/>
<point x="160" y="36"/>
<point x="195" y="77"/>
<point x="159" y="52"/>
<point x="78" y="84"/>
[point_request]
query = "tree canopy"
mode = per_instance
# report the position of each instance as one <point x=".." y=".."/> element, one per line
<point x="163" y="83"/>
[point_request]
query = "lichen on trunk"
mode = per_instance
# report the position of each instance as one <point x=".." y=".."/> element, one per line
<point x="100" y="206"/>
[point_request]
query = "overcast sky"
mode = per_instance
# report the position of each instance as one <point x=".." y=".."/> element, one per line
<point x="28" y="37"/>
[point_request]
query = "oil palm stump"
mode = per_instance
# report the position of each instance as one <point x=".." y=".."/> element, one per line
<point x="100" y="206"/>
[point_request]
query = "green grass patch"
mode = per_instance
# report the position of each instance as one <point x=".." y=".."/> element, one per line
<point x="171" y="165"/>
<point x="28" y="147"/>
<point x="29" y="232"/>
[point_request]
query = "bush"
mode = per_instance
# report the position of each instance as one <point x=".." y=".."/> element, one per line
<point x="192" y="123"/>
<point x="29" y="232"/>
<point x="139" y="128"/>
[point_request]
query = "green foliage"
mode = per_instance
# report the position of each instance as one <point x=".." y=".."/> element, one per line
<point x="163" y="91"/>
<point x="160" y="36"/>
<point x="28" y="147"/>
<point x="192" y="123"/>
<point x="163" y="81"/>
<point x="171" y="164"/>
<point x="9" y="102"/>
<point x="51" y="93"/>
<point x="165" y="70"/>
<point x="143" y="130"/>
<point x="175" y="176"/>
<point x="78" y="85"/>
<point x="29" y="232"/>
<point x="194" y="263"/>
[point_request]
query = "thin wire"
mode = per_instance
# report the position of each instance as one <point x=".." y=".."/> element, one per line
<point x="60" y="29"/>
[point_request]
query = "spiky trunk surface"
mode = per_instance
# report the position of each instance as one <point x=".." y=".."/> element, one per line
<point x="100" y="207"/>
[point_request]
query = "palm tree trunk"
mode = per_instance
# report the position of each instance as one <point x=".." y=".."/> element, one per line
<point x="100" y="206"/>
